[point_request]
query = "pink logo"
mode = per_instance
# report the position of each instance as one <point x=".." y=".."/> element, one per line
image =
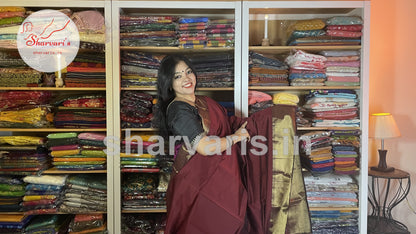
<point x="48" y="40"/>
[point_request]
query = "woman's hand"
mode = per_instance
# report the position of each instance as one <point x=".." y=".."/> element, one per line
<point x="241" y="134"/>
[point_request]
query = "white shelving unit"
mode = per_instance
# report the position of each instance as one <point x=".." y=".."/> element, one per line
<point x="300" y="10"/>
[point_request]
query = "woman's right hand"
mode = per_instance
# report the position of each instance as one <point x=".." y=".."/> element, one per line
<point x="241" y="134"/>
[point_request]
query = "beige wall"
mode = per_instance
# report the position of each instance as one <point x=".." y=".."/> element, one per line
<point x="393" y="88"/>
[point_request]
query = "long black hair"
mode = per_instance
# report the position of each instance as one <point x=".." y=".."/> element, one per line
<point x="165" y="92"/>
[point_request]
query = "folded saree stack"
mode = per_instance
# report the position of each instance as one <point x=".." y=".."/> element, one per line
<point x="10" y="20"/>
<point x="87" y="70"/>
<point x="85" y="193"/>
<point x="140" y="190"/>
<point x="72" y="151"/>
<point x="332" y="108"/>
<point x="137" y="154"/>
<point x="43" y="194"/>
<point x="81" y="111"/>
<point x="139" y="69"/>
<point x="12" y="190"/>
<point x="87" y="223"/>
<point x="49" y="223"/>
<point x="13" y="223"/>
<point x="135" y="223"/>
<point x="136" y="109"/>
<point x="258" y="101"/>
<point x="214" y="70"/>
<point x="148" y="31"/>
<point x="23" y="155"/>
<point x="266" y="70"/>
<point x="345" y="148"/>
<point x="192" y="32"/>
<point x="342" y="67"/>
<point x="332" y="191"/>
<point x="220" y="33"/>
<point x="337" y="30"/>
<point x="306" y="69"/>
<point x="91" y="29"/>
<point x="316" y="154"/>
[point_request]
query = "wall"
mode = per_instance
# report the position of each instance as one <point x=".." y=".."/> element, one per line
<point x="393" y="89"/>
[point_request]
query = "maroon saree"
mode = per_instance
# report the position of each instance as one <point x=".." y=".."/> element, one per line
<point x="236" y="193"/>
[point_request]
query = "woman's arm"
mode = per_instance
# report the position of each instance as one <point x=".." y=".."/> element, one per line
<point x="210" y="145"/>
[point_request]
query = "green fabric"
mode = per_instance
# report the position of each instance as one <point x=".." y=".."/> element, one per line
<point x="62" y="135"/>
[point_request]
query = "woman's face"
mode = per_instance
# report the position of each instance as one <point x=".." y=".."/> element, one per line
<point x="184" y="80"/>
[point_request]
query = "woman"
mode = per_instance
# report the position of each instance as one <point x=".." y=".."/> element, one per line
<point x="213" y="187"/>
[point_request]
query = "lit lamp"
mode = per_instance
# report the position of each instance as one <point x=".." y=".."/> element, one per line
<point x="383" y="126"/>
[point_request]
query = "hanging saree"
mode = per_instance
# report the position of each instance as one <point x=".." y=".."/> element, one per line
<point x="239" y="190"/>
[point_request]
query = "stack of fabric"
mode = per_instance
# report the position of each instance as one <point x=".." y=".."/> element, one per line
<point x="24" y="109"/>
<point x="83" y="101"/>
<point x="334" y="221"/>
<point x="12" y="190"/>
<point x="315" y="151"/>
<point x="148" y="31"/>
<point x="51" y="223"/>
<point x="139" y="69"/>
<point x="214" y="70"/>
<point x="192" y="32"/>
<point x="258" y="101"/>
<point x="91" y="29"/>
<point x="342" y="67"/>
<point x="306" y="69"/>
<point x="137" y="154"/>
<point x="302" y="31"/>
<point x="43" y="193"/>
<point x="13" y="223"/>
<point x="136" y="109"/>
<point x="139" y="223"/>
<point x="80" y="118"/>
<point x="85" y="193"/>
<point x="332" y="108"/>
<point x="346" y="30"/>
<point x="87" y="70"/>
<point x="14" y="72"/>
<point x="23" y="155"/>
<point x="92" y="151"/>
<point x="345" y="148"/>
<point x="87" y="223"/>
<point x="139" y="191"/>
<point x="337" y="30"/>
<point x="220" y="33"/>
<point x="265" y="70"/>
<point x="332" y="191"/>
<point x="63" y="148"/>
<point x="10" y="20"/>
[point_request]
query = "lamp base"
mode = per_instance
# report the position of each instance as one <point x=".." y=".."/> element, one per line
<point x="387" y="169"/>
<point x="382" y="165"/>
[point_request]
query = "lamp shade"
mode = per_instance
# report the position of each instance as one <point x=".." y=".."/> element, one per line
<point x="383" y="126"/>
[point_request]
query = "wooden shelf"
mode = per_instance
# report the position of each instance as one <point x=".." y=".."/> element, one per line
<point x="332" y="208"/>
<point x="166" y="49"/>
<point x="148" y="88"/>
<point x="271" y="88"/>
<point x="145" y="210"/>
<point x="283" y="49"/>
<point x="52" y="89"/>
<point x="57" y="171"/>
<point x="326" y="128"/>
<point x="53" y="129"/>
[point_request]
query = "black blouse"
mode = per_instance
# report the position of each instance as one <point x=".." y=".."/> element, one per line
<point x="184" y="120"/>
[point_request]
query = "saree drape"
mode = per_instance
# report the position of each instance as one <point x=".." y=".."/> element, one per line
<point x="240" y="191"/>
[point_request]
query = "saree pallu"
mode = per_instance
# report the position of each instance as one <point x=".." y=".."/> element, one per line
<point x="237" y="193"/>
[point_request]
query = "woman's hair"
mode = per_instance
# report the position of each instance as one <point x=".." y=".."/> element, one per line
<point x="165" y="91"/>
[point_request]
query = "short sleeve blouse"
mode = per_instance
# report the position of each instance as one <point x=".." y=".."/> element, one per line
<point x="185" y="121"/>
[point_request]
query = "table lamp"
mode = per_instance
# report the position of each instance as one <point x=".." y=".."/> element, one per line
<point x="383" y="126"/>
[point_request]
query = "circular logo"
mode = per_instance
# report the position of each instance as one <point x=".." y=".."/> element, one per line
<point x="48" y="40"/>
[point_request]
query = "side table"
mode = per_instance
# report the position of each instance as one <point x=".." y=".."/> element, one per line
<point x="385" y="191"/>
